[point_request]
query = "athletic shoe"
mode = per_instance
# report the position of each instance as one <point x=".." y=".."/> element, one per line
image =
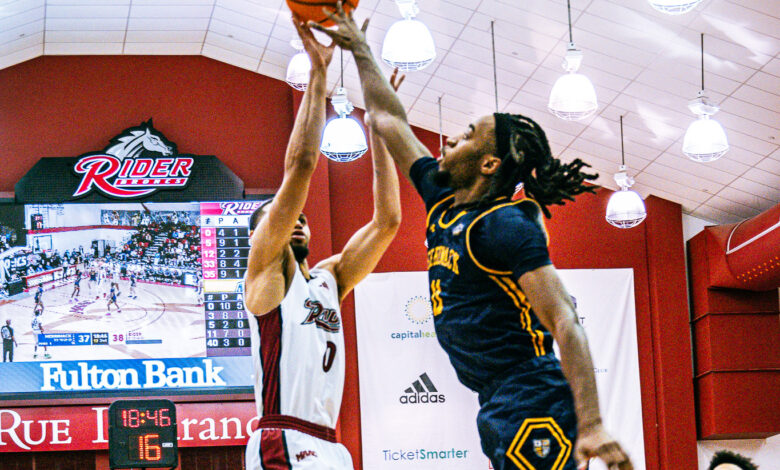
<point x="47" y="356"/>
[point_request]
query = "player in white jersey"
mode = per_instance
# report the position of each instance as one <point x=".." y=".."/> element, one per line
<point x="297" y="336"/>
<point x="37" y="329"/>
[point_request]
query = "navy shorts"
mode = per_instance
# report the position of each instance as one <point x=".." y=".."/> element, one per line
<point x="528" y="420"/>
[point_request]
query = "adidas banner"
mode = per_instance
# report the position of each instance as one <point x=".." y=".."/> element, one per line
<point x="414" y="412"/>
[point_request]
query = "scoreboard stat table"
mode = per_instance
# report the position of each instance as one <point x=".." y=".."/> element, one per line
<point x="224" y="238"/>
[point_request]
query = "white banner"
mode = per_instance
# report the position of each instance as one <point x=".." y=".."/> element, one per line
<point x="416" y="415"/>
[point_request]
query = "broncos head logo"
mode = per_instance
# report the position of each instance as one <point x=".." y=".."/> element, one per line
<point x="140" y="140"/>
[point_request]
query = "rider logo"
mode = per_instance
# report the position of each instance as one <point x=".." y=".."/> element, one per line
<point x="422" y="391"/>
<point x="136" y="163"/>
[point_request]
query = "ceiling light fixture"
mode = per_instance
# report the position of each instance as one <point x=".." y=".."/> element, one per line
<point x="299" y="67"/>
<point x="625" y="208"/>
<point x="408" y="44"/>
<point x="573" y="96"/>
<point x="343" y="139"/>
<point x="705" y="140"/>
<point x="674" y="7"/>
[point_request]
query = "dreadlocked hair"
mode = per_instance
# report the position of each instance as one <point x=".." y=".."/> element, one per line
<point x="545" y="178"/>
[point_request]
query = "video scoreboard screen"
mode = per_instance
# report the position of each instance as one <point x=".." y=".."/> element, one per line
<point x="117" y="298"/>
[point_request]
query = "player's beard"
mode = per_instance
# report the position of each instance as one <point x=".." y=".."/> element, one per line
<point x="300" y="252"/>
<point x="442" y="178"/>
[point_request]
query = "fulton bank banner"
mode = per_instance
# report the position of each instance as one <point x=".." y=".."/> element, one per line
<point x="415" y="414"/>
<point x="174" y="375"/>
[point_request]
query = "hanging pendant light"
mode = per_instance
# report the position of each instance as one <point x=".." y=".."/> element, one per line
<point x="573" y="96"/>
<point x="625" y="208"/>
<point x="299" y="67"/>
<point x="408" y="44"/>
<point x="343" y="139"/>
<point x="674" y="7"/>
<point x="705" y="140"/>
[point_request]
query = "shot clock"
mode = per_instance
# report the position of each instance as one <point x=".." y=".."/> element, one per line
<point x="142" y="434"/>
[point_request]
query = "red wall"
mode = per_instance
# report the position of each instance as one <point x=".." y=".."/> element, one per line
<point x="65" y="106"/>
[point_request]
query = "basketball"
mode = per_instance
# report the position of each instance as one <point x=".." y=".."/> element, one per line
<point x="312" y="10"/>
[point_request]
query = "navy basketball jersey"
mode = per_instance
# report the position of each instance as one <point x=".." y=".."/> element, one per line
<point x="476" y="254"/>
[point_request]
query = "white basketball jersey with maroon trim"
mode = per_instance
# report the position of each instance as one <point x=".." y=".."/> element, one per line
<point x="298" y="352"/>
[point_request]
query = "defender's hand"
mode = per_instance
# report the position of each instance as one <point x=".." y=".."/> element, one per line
<point x="319" y="54"/>
<point x="346" y="35"/>
<point x="596" y="442"/>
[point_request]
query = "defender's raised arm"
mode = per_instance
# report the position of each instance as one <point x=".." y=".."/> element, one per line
<point x="388" y="117"/>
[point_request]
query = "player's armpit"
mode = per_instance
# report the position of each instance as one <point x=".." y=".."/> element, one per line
<point x="265" y="290"/>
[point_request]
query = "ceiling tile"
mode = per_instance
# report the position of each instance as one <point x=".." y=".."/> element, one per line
<point x="230" y="57"/>
<point x="764" y="81"/>
<point x="86" y="24"/>
<point x="171" y="11"/>
<point x="741" y="210"/>
<point x="705" y="171"/>
<point x="759" y="97"/>
<point x="168" y="24"/>
<point x="76" y="48"/>
<point x="20" y="32"/>
<point x="715" y="214"/>
<point x="87" y="11"/>
<point x="769" y="180"/>
<point x="13" y="8"/>
<point x="163" y="48"/>
<point x="21" y="18"/>
<point x="166" y="36"/>
<point x="770" y="165"/>
<point x="85" y="36"/>
<point x="746" y="198"/>
<point x="20" y="56"/>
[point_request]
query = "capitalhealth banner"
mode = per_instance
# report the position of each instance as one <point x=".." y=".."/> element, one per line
<point x="414" y="412"/>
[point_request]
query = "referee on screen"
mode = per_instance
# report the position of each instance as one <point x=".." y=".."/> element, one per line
<point x="8" y="341"/>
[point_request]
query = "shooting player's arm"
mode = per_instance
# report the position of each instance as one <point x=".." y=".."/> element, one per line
<point x="366" y="247"/>
<point x="270" y="240"/>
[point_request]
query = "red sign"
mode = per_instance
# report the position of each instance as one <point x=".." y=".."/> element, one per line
<point x="86" y="427"/>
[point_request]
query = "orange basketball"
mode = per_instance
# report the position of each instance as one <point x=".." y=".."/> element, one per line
<point x="312" y="9"/>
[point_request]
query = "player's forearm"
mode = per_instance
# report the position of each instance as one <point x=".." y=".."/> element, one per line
<point x="303" y="148"/>
<point x="378" y="95"/>
<point x="387" y="199"/>
<point x="577" y="366"/>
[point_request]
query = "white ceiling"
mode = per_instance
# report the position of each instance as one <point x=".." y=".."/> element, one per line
<point x="645" y="65"/>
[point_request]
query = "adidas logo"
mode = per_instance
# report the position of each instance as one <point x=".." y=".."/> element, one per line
<point x="421" y="391"/>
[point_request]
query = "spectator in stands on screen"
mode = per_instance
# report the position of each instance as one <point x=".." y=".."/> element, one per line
<point x="726" y="460"/>
<point x="8" y="341"/>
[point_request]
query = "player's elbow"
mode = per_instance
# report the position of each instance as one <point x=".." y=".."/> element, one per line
<point x="388" y="223"/>
<point x="387" y="123"/>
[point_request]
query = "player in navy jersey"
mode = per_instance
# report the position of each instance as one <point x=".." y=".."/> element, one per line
<point x="39" y="296"/>
<point x="133" y="279"/>
<point x="497" y="299"/>
<point x="113" y="293"/>
<point x="295" y="322"/>
<point x="76" y="286"/>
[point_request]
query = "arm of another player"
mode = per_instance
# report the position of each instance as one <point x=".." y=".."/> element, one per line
<point x="271" y="238"/>
<point x="555" y="310"/>
<point x="388" y="117"/>
<point x="366" y="247"/>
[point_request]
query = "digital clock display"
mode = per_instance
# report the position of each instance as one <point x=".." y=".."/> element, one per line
<point x="142" y="434"/>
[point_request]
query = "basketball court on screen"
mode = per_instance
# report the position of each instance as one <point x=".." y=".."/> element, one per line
<point x="163" y="321"/>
